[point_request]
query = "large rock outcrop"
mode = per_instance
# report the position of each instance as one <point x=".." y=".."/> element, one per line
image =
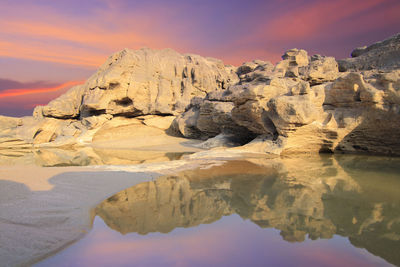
<point x="129" y="84"/>
<point x="302" y="104"/>
<point x="145" y="81"/>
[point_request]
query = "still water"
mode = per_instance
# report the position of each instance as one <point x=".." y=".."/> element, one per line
<point x="324" y="211"/>
<point x="85" y="156"/>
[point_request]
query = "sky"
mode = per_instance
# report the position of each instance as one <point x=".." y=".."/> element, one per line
<point x="47" y="46"/>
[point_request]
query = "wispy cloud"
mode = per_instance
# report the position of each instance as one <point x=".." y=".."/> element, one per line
<point x="29" y="91"/>
<point x="6" y="84"/>
<point x="85" y="34"/>
<point x="46" y="34"/>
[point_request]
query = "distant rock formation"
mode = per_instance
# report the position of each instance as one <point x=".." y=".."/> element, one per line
<point x="302" y="104"/>
<point x="383" y="55"/>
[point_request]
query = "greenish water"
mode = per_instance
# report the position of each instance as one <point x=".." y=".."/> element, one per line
<point x="303" y="211"/>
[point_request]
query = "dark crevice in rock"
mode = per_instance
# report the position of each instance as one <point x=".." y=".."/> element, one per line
<point x="182" y="88"/>
<point x="161" y="114"/>
<point x="129" y="114"/>
<point x="112" y="86"/>
<point x="37" y="133"/>
<point x="124" y="102"/>
<point x="92" y="112"/>
<point x="357" y="96"/>
<point x="63" y="117"/>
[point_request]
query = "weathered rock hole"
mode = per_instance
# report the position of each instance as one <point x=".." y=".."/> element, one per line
<point x="112" y="86"/>
<point x="326" y="149"/>
<point x="92" y="112"/>
<point x="185" y="73"/>
<point x="126" y="101"/>
<point x="357" y="96"/>
<point x="240" y="139"/>
<point x="182" y="88"/>
<point x="192" y="74"/>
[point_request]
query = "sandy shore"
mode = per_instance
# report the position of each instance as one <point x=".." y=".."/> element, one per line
<point x="42" y="210"/>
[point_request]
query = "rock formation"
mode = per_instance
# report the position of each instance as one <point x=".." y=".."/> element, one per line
<point x="132" y="83"/>
<point x="302" y="104"/>
<point x="381" y="55"/>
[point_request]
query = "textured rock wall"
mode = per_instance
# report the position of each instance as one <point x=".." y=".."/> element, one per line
<point x="145" y="81"/>
<point x="301" y="104"/>
<point x="304" y="104"/>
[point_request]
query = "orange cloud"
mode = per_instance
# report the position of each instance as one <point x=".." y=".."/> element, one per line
<point x="46" y="52"/>
<point x="23" y="91"/>
<point x="45" y="35"/>
<point x="94" y="36"/>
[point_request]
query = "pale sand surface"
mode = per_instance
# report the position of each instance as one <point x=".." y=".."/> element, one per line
<point x="42" y="210"/>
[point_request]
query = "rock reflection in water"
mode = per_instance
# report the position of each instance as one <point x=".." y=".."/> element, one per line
<point x="352" y="196"/>
<point x="85" y="156"/>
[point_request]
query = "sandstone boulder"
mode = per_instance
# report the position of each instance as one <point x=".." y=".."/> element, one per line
<point x="141" y="82"/>
<point x="321" y="69"/>
<point x="64" y="107"/>
<point x="292" y="60"/>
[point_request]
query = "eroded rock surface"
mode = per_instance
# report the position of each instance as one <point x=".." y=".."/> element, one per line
<point x="145" y="81"/>
<point x="381" y="55"/>
<point x="301" y="104"/>
<point x="304" y="104"/>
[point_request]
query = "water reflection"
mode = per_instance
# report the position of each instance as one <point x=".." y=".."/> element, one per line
<point x="85" y="156"/>
<point x="351" y="196"/>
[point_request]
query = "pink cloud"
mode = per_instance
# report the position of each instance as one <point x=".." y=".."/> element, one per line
<point x="19" y="102"/>
<point x="46" y="35"/>
<point x="312" y="19"/>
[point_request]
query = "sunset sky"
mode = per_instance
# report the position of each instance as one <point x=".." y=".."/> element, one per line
<point x="47" y="46"/>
